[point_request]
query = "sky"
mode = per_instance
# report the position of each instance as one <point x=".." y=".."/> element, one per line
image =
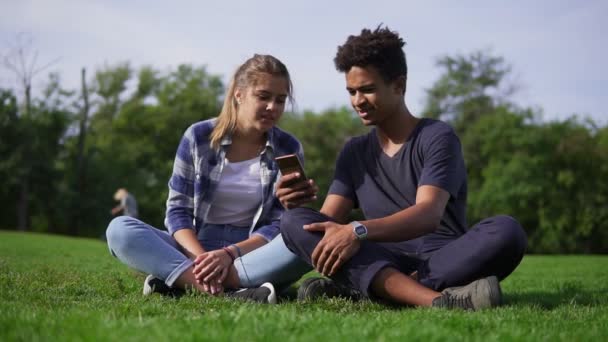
<point x="557" y="49"/>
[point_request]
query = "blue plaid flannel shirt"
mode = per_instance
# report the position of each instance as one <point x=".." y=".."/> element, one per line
<point x="197" y="170"/>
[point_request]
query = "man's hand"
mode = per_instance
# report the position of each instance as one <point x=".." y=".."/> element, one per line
<point x="211" y="269"/>
<point x="336" y="247"/>
<point x="293" y="191"/>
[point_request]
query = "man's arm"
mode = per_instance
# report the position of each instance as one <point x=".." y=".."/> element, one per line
<point x="117" y="209"/>
<point x="339" y="242"/>
<point x="337" y="207"/>
<point x="410" y="223"/>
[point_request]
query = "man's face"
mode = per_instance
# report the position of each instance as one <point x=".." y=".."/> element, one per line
<point x="371" y="96"/>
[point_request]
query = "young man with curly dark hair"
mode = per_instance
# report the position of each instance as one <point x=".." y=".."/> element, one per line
<point x="409" y="178"/>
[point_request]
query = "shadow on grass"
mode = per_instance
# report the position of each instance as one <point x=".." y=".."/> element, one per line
<point x="572" y="293"/>
<point x="565" y="294"/>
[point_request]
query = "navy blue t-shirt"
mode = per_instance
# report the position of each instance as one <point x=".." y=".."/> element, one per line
<point x="381" y="185"/>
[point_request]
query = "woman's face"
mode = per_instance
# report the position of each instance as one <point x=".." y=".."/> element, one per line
<point x="260" y="106"/>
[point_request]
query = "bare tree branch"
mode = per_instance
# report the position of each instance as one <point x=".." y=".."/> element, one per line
<point x="21" y="59"/>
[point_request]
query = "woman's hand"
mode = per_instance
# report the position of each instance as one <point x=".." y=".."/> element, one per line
<point x="211" y="269"/>
<point x="216" y="286"/>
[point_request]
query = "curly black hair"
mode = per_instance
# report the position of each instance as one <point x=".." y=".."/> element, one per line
<point x="381" y="48"/>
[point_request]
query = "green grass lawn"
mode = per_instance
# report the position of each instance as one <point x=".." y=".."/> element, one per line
<point x="60" y="288"/>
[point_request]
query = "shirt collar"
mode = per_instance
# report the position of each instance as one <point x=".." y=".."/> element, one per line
<point x="270" y="143"/>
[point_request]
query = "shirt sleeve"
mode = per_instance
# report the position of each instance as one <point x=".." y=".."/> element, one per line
<point x="342" y="183"/>
<point x="180" y="203"/>
<point x="444" y="164"/>
<point x="270" y="231"/>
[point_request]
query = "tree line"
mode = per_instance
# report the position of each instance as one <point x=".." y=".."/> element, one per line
<point x="65" y="152"/>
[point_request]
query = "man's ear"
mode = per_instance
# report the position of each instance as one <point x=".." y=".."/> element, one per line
<point x="400" y="84"/>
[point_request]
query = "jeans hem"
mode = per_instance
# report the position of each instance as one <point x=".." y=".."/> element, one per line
<point x="369" y="275"/>
<point x="178" y="271"/>
<point x="242" y="273"/>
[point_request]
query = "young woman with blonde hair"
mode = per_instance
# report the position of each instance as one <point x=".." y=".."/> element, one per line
<point x="222" y="214"/>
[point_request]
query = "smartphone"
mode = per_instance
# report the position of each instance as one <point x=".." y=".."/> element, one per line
<point x="290" y="163"/>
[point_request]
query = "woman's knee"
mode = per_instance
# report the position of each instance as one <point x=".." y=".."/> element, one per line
<point x="119" y="233"/>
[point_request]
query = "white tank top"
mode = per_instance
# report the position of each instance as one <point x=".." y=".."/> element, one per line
<point x="238" y="194"/>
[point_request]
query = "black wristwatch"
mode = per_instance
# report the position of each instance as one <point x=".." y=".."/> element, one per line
<point x="360" y="230"/>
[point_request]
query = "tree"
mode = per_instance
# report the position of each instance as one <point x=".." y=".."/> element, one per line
<point x="76" y="220"/>
<point x="550" y="176"/>
<point x="23" y="62"/>
<point x="32" y="144"/>
<point x="9" y="163"/>
<point x="134" y="133"/>
<point x="470" y="87"/>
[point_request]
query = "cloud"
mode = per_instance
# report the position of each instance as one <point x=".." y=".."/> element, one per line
<point x="554" y="46"/>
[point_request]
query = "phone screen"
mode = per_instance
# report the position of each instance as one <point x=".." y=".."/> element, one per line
<point x="289" y="164"/>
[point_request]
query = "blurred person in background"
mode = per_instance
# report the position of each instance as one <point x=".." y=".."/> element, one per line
<point x="128" y="204"/>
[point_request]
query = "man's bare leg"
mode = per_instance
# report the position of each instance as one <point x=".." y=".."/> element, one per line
<point x="399" y="288"/>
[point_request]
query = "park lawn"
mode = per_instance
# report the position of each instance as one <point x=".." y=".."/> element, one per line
<point x="62" y="288"/>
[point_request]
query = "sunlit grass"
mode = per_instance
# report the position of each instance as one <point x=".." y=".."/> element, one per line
<point x="60" y="288"/>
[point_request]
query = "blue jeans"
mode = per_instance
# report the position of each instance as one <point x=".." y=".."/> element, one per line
<point x="150" y="250"/>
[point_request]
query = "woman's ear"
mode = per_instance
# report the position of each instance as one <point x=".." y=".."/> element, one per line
<point x="238" y="96"/>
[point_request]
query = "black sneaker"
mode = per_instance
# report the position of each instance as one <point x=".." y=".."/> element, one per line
<point x="263" y="294"/>
<point x="155" y="285"/>
<point x="313" y="288"/>
<point x="480" y="294"/>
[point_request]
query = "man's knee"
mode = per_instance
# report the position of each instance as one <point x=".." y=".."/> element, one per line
<point x="512" y="233"/>
<point x="293" y="220"/>
<point x="292" y="223"/>
<point x="298" y="240"/>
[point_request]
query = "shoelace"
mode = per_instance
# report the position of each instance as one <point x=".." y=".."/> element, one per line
<point x="463" y="302"/>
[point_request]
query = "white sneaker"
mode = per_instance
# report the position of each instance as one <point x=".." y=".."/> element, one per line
<point x="263" y="294"/>
<point x="155" y="285"/>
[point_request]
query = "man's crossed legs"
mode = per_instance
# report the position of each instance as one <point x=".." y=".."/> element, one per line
<point x="466" y="268"/>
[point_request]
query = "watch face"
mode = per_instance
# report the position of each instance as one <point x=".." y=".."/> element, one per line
<point x="360" y="230"/>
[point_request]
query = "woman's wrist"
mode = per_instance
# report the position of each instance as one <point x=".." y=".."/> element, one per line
<point x="230" y="254"/>
<point x="237" y="250"/>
